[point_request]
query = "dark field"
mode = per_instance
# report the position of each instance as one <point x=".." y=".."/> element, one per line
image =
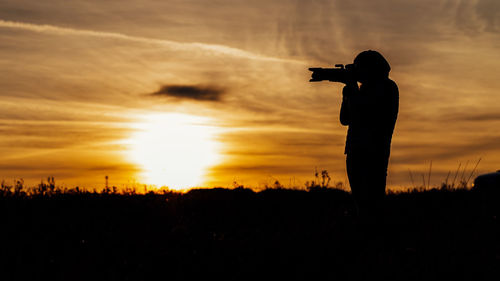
<point x="239" y="234"/>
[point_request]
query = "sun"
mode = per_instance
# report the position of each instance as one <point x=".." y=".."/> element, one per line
<point x="174" y="149"/>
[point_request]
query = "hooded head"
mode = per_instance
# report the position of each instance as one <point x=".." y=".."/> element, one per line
<point x="371" y="66"/>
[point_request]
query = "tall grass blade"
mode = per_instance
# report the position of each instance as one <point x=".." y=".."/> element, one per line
<point x="411" y="178"/>
<point x="429" y="177"/>
<point x="458" y="169"/>
<point x="473" y="170"/>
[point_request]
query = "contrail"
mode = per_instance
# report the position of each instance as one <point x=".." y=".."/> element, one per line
<point x="221" y="49"/>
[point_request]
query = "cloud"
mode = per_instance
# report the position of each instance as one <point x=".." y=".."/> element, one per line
<point x="413" y="152"/>
<point x="481" y="113"/>
<point x="195" y="46"/>
<point x="191" y="92"/>
<point x="489" y="11"/>
<point x="478" y="16"/>
<point x="481" y="116"/>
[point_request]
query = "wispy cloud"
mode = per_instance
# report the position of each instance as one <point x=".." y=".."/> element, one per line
<point x="479" y="117"/>
<point x="191" y="92"/>
<point x="221" y="49"/>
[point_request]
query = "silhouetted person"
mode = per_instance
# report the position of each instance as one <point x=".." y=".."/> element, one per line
<point x="370" y="111"/>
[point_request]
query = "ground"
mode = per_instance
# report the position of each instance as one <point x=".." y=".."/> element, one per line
<point x="240" y="234"/>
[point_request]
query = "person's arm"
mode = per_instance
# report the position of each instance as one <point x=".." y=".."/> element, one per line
<point x="345" y="109"/>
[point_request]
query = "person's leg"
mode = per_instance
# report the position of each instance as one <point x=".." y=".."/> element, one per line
<point x="377" y="176"/>
<point x="381" y="162"/>
<point x="367" y="173"/>
<point x="352" y="180"/>
<point x="355" y="169"/>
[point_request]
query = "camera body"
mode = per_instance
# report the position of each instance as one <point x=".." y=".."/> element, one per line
<point x="341" y="73"/>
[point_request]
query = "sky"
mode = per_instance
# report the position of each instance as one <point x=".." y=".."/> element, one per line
<point x="217" y="92"/>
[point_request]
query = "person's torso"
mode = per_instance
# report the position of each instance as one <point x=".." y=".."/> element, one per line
<point x="373" y="113"/>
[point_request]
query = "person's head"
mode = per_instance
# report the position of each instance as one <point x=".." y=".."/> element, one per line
<point x="370" y="66"/>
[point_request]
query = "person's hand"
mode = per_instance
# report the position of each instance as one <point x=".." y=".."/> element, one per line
<point x="349" y="89"/>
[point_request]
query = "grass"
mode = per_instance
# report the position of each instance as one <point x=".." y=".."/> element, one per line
<point x="463" y="180"/>
<point x="48" y="232"/>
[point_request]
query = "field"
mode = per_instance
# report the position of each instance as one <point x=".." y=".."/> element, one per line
<point x="240" y="234"/>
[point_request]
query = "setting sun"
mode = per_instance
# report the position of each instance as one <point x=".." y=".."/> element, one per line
<point x="173" y="150"/>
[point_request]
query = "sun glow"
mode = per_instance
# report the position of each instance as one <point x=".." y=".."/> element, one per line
<point x="174" y="150"/>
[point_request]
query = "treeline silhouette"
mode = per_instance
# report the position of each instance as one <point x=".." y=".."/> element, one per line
<point x="239" y="234"/>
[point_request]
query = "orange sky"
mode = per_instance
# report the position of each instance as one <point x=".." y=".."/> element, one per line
<point x="82" y="79"/>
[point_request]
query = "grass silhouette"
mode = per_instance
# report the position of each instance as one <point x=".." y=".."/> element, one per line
<point x="48" y="232"/>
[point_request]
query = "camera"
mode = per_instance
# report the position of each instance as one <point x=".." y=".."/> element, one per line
<point x="341" y="73"/>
